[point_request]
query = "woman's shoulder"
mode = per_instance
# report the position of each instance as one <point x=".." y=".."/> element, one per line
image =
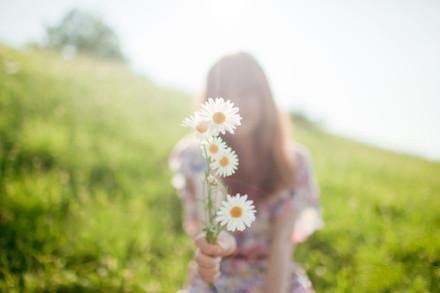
<point x="301" y="156"/>
<point x="186" y="156"/>
<point x="186" y="144"/>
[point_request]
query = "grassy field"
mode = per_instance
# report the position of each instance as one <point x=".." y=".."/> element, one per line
<point x="86" y="203"/>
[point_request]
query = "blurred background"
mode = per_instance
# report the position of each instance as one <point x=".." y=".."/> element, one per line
<point x="92" y="94"/>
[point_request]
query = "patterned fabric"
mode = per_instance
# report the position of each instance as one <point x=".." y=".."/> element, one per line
<point x="245" y="270"/>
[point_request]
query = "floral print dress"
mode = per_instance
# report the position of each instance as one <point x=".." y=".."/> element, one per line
<point x="245" y="270"/>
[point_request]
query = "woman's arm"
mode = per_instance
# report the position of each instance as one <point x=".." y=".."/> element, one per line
<point x="280" y="252"/>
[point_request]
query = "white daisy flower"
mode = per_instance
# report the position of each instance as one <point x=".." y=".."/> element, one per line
<point x="223" y="115"/>
<point x="225" y="163"/>
<point x="236" y="213"/>
<point x="215" y="146"/>
<point x="201" y="126"/>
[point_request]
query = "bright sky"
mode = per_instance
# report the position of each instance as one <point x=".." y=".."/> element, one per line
<point x="369" y="69"/>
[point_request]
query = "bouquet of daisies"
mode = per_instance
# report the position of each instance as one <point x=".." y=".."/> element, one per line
<point x="216" y="117"/>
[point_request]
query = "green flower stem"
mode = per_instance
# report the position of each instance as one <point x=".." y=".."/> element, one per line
<point x="211" y="230"/>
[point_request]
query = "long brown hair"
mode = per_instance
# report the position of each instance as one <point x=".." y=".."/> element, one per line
<point x="241" y="79"/>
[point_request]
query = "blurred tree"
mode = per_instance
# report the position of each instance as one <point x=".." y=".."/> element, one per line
<point x="84" y="32"/>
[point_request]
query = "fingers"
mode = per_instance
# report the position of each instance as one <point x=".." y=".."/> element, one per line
<point x="225" y="245"/>
<point x="209" y="275"/>
<point x="208" y="255"/>
<point x="206" y="261"/>
<point x="208" y="267"/>
<point x="207" y="248"/>
<point x="227" y="242"/>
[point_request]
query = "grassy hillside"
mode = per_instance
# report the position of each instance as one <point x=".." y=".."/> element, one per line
<point x="85" y="199"/>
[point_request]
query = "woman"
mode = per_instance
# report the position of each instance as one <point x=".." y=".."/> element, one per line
<point x="274" y="172"/>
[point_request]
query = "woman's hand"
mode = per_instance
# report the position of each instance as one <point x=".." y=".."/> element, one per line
<point x="208" y="256"/>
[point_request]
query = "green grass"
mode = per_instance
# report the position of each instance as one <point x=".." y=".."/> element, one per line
<point x="86" y="203"/>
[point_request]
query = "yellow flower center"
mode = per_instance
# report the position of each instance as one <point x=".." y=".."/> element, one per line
<point x="236" y="212"/>
<point x="213" y="148"/>
<point x="202" y="128"/>
<point x="218" y="117"/>
<point x="224" y="161"/>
